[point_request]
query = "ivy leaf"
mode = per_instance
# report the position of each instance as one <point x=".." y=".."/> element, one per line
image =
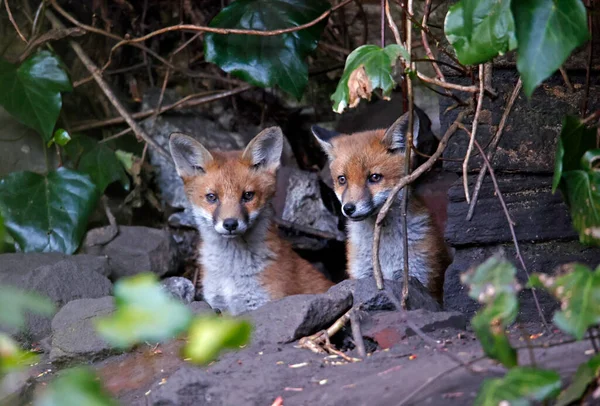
<point x="490" y="327"/>
<point x="267" y="61"/>
<point x="31" y="92"/>
<point x="490" y="279"/>
<point x="367" y="68"/>
<point x="547" y="32"/>
<point x="144" y="312"/>
<point x="47" y="213"/>
<point x="16" y="303"/>
<point x="519" y="387"/>
<point x="12" y="357"/>
<point x="75" y="387"/>
<point x="61" y="137"/>
<point x="210" y="335"/>
<point x="574" y="141"/>
<point x="585" y="375"/>
<point x="480" y="30"/>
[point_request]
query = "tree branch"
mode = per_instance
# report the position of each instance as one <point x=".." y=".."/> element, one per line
<point x="465" y="166"/>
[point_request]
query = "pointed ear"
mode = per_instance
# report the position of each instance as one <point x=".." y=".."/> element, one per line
<point x="395" y="136"/>
<point x="324" y="136"/>
<point x="264" y="151"/>
<point x="189" y="155"/>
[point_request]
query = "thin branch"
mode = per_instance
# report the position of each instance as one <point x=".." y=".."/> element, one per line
<point x="359" y="342"/>
<point x="51" y="35"/>
<point x="382" y="35"/>
<point x="465" y="166"/>
<point x="588" y="68"/>
<point x="512" y="231"/>
<point x="591" y="118"/>
<point x="426" y="46"/>
<point x="85" y="59"/>
<point x="391" y="23"/>
<point x="493" y="145"/>
<point x="13" y="22"/>
<point x="565" y="77"/>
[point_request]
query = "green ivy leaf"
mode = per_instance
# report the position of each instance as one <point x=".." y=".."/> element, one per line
<point x="210" y="335"/>
<point x="16" y="303"/>
<point x="12" y="357"/>
<point x="547" y="32"/>
<point x="480" y="30"/>
<point x="267" y="61"/>
<point x="585" y="375"/>
<point x="377" y="63"/>
<point x="574" y="141"/>
<point x="583" y="194"/>
<point x="31" y="92"/>
<point x="490" y="327"/>
<point x="519" y="387"/>
<point x="47" y="213"/>
<point x="75" y="387"/>
<point x="144" y="312"/>
<point x="61" y="137"/>
<point x="490" y="279"/>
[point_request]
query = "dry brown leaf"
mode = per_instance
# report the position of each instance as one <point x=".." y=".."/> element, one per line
<point x="359" y="86"/>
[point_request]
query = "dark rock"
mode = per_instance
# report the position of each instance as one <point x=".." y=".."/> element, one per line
<point x="538" y="214"/>
<point x="200" y="307"/>
<point x="139" y="249"/>
<point x="389" y="328"/>
<point x="539" y="258"/>
<point x="365" y="292"/>
<point x="187" y="386"/>
<point x="297" y="316"/>
<point x="74" y="337"/>
<point x="180" y="288"/>
<point x="60" y="278"/>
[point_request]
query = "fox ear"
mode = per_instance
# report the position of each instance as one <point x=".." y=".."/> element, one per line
<point x="189" y="155"/>
<point x="395" y="136"/>
<point x="323" y="137"/>
<point x="264" y="151"/>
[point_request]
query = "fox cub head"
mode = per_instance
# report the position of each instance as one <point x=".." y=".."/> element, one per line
<point x="366" y="166"/>
<point x="228" y="191"/>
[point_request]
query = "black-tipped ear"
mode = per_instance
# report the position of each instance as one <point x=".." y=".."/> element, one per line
<point x="395" y="136"/>
<point x="189" y="155"/>
<point x="324" y="136"/>
<point x="264" y="151"/>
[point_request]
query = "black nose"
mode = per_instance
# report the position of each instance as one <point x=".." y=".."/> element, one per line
<point x="230" y="224"/>
<point x="349" y="208"/>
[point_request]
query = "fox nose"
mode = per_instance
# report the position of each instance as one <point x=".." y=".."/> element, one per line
<point x="230" y="224"/>
<point x="349" y="208"/>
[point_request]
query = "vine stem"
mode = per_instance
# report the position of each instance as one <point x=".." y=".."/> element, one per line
<point x="512" y="231"/>
<point x="14" y="23"/>
<point x="465" y="166"/>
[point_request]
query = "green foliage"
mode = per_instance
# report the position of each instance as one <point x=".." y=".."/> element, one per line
<point x="144" y="312"/>
<point x="61" y="137"/>
<point x="367" y="68"/>
<point x="480" y="30"/>
<point x="12" y="357"/>
<point x="16" y="303"/>
<point x="519" y="387"/>
<point x="490" y="279"/>
<point x="209" y="335"/>
<point x="579" y="293"/>
<point x="75" y="387"/>
<point x="46" y="213"/>
<point x="267" y="60"/>
<point x="31" y="91"/>
<point x="585" y="375"/>
<point x="547" y="32"/>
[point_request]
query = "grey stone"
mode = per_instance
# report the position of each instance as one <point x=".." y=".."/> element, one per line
<point x="200" y="307"/>
<point x="366" y="293"/>
<point x="187" y="386"/>
<point x="57" y="277"/>
<point x="538" y="214"/>
<point x="180" y="288"/>
<point x="74" y="337"/>
<point x="539" y="258"/>
<point x="138" y="249"/>
<point x="297" y="316"/>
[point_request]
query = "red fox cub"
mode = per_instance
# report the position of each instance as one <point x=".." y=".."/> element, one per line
<point x="365" y="167"/>
<point x="243" y="262"/>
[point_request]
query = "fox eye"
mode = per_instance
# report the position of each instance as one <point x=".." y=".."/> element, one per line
<point x="375" y="177"/>
<point x="342" y="180"/>
<point x="211" y="197"/>
<point x="248" y="196"/>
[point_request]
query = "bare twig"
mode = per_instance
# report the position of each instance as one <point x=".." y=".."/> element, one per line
<point x="493" y="145"/>
<point x="401" y="184"/>
<point x="426" y="46"/>
<point x="465" y="166"/>
<point x="512" y="231"/>
<point x="588" y="68"/>
<point x="82" y="55"/>
<point x="115" y="136"/>
<point x="51" y="35"/>
<point x="591" y="118"/>
<point x="319" y="342"/>
<point x="391" y="23"/>
<point x="359" y="342"/>
<point x="565" y="77"/>
<point x="13" y="22"/>
<point x="383" y="7"/>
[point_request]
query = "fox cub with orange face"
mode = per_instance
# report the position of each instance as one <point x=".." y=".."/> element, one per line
<point x="365" y="168"/>
<point x="243" y="262"/>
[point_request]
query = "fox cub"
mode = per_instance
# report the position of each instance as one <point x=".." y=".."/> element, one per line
<point x="365" y="167"/>
<point x="243" y="262"/>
